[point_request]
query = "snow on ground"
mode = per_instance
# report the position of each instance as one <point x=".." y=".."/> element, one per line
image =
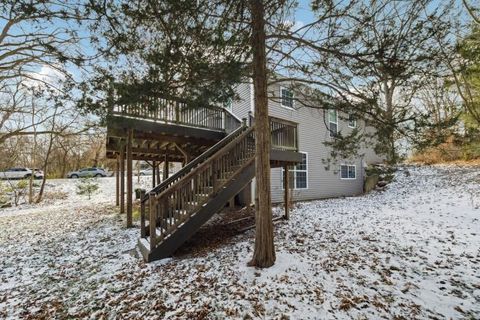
<point x="62" y="194"/>
<point x="412" y="251"/>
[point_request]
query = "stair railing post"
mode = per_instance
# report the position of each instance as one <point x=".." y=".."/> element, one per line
<point x="142" y="214"/>
<point x="152" y="219"/>
<point x="214" y="176"/>
<point x="224" y="118"/>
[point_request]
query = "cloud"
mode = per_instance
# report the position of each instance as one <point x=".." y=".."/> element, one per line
<point x="46" y="76"/>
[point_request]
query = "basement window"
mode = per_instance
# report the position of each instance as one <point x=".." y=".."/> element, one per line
<point x="298" y="174"/>
<point x="348" y="172"/>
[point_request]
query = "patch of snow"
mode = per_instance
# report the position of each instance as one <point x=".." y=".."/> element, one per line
<point x="410" y="251"/>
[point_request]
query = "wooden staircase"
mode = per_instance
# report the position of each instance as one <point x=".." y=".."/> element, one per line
<point x="171" y="130"/>
<point x="175" y="209"/>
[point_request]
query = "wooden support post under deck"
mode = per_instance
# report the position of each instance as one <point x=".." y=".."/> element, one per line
<point x="129" y="178"/>
<point x="152" y="221"/>
<point x="186" y="156"/>
<point x="117" y="180"/>
<point x="122" y="179"/>
<point x="287" y="189"/>
<point x="165" y="168"/>
<point x="154" y="171"/>
<point x="158" y="173"/>
<point x="142" y="214"/>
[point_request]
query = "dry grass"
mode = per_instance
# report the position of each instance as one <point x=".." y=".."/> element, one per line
<point x="458" y="162"/>
<point x="448" y="153"/>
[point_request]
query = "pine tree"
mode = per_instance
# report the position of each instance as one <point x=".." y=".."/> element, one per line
<point x="87" y="186"/>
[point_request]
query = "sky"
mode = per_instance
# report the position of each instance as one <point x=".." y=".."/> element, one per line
<point x="302" y="15"/>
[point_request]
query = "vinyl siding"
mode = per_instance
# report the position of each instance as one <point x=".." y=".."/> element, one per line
<point x="241" y="106"/>
<point x="323" y="180"/>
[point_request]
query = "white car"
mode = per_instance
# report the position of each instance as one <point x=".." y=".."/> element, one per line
<point x="87" y="172"/>
<point x="20" y="173"/>
<point x="146" y="172"/>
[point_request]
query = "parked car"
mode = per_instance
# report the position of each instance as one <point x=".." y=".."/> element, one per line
<point x="38" y="173"/>
<point x="87" y="172"/>
<point x="146" y="172"/>
<point x="21" y="173"/>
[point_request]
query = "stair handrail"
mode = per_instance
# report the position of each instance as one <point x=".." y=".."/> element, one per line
<point x="160" y="204"/>
<point x="230" y="115"/>
<point x="208" y="161"/>
<point x="189" y="166"/>
<point x="234" y="116"/>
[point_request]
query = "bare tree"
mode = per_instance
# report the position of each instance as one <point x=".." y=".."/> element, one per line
<point x="31" y="37"/>
<point x="368" y="58"/>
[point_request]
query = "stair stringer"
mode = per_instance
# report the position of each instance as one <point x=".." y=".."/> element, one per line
<point x="199" y="218"/>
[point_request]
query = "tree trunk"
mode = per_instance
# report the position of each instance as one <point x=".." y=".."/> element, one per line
<point x="390" y="132"/>
<point x="286" y="188"/>
<point x="117" y="180"/>
<point x="154" y="172"/>
<point x="264" y="252"/>
<point x="64" y="165"/>
<point x="45" y="170"/>
<point x="34" y="153"/>
<point x="129" y="179"/>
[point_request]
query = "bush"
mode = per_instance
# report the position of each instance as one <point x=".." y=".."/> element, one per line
<point x="14" y="191"/>
<point x="4" y="198"/>
<point x="87" y="186"/>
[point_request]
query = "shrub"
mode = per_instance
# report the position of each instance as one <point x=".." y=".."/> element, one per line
<point x="87" y="186"/>
<point x="14" y="191"/>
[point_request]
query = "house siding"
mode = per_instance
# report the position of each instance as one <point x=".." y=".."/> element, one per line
<point x="242" y="104"/>
<point x="323" y="180"/>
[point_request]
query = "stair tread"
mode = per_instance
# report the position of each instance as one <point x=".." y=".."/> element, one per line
<point x="184" y="217"/>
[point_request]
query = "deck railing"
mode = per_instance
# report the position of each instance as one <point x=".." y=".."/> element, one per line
<point x="180" y="113"/>
<point x="284" y="133"/>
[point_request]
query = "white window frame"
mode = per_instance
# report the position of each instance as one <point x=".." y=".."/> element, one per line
<point x="332" y="135"/>
<point x="228" y="105"/>
<point x="281" y="98"/>
<point x="348" y="167"/>
<point x="350" y="119"/>
<point x="294" y="171"/>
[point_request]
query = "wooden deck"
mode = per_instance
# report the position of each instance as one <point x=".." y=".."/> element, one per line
<point x="218" y="155"/>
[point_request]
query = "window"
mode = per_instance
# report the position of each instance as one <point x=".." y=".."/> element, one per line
<point x="348" y="172"/>
<point x="228" y="104"/>
<point x="352" y="121"/>
<point x="287" y="97"/>
<point x="298" y="174"/>
<point x="333" y="122"/>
